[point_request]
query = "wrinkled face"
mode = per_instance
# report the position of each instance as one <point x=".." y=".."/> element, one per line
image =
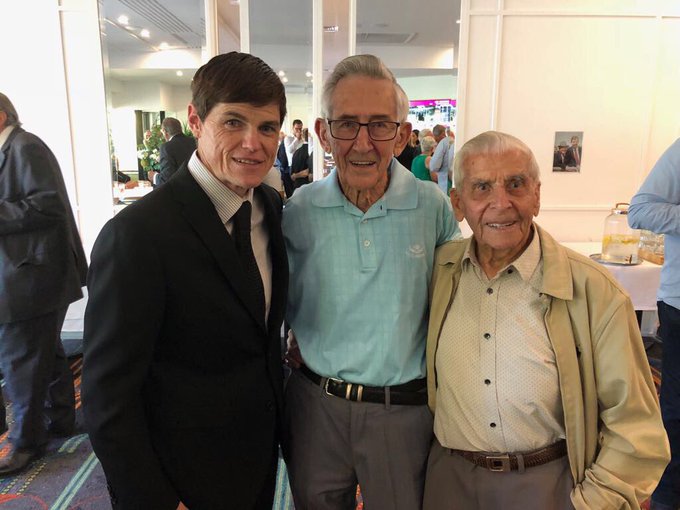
<point x="237" y="142"/>
<point x="499" y="200"/>
<point x="362" y="163"/>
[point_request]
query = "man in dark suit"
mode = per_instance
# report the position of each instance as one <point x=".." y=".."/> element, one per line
<point x="176" y="151"/>
<point x="42" y="270"/>
<point x="573" y="157"/>
<point x="301" y="167"/>
<point x="182" y="377"/>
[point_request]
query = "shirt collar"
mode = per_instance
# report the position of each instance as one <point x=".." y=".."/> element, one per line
<point x="226" y="201"/>
<point x="525" y="264"/>
<point x="4" y="135"/>
<point x="402" y="191"/>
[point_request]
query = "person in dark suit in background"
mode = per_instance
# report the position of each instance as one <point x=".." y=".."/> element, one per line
<point x="574" y="152"/>
<point x="182" y="375"/>
<point x="177" y="150"/>
<point x="301" y="166"/>
<point x="42" y="270"/>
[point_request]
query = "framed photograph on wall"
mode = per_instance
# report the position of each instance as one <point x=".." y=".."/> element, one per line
<point x="568" y="151"/>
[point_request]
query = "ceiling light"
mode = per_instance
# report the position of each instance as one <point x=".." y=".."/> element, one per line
<point x="330" y="28"/>
<point x="123" y="19"/>
<point x="308" y="74"/>
<point x="282" y="73"/>
<point x="458" y="21"/>
<point x="284" y="79"/>
<point x="145" y="33"/>
<point x="179" y="73"/>
<point x="163" y="46"/>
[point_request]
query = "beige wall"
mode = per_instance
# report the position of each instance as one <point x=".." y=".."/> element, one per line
<point x="609" y="68"/>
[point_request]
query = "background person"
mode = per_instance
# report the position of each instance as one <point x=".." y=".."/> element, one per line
<point x="176" y="151"/>
<point x="182" y="378"/>
<point x="656" y="207"/>
<point x="42" y="270"/>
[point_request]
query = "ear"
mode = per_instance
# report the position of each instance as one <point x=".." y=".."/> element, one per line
<point x="457" y="204"/>
<point x="322" y="133"/>
<point x="537" y="197"/>
<point x="194" y="120"/>
<point x="403" y="135"/>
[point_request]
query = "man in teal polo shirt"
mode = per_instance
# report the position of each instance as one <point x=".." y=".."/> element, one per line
<point x="361" y="246"/>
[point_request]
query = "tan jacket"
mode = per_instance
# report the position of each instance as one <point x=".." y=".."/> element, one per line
<point x="616" y="442"/>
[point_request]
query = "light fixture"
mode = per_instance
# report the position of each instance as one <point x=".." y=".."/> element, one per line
<point x="145" y="33"/>
<point x="282" y="73"/>
<point x="179" y="73"/>
<point x="284" y="79"/>
<point x="330" y="28"/>
<point x="308" y="74"/>
<point x="458" y="22"/>
<point x="123" y="19"/>
<point x="163" y="46"/>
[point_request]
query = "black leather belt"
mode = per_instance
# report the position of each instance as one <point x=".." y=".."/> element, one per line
<point x="412" y="393"/>
<point x="504" y="462"/>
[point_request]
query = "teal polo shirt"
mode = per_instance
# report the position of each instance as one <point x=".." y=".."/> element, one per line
<point x="358" y="294"/>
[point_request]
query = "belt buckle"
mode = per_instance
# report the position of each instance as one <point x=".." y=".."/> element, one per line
<point x="498" y="463"/>
<point x="325" y="386"/>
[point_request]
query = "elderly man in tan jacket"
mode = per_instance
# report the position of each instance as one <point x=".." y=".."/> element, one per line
<point x="537" y="374"/>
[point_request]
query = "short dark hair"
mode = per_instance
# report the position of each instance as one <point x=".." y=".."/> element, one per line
<point x="236" y="78"/>
<point x="171" y="126"/>
<point x="297" y="121"/>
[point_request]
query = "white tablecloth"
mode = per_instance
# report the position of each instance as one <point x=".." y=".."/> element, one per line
<point x="640" y="281"/>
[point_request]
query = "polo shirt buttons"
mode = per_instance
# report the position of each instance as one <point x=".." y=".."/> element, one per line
<point x="487" y="335"/>
<point x="489" y="290"/>
<point x="363" y="222"/>
<point x="487" y="381"/>
<point x="367" y="243"/>
<point x="492" y="425"/>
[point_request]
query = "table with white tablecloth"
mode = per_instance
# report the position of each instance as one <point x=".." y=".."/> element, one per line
<point x="641" y="281"/>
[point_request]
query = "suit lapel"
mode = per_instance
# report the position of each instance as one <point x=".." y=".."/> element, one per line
<point x="200" y="212"/>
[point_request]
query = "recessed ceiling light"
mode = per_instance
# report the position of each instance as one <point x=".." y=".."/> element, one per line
<point x="458" y="21"/>
<point x="145" y="33"/>
<point x="330" y="28"/>
<point x="123" y="19"/>
<point x="308" y="74"/>
<point x="282" y="73"/>
<point x="284" y="79"/>
<point x="179" y="73"/>
<point x="164" y="46"/>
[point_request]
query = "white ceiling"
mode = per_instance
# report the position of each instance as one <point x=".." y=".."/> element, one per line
<point x="280" y="33"/>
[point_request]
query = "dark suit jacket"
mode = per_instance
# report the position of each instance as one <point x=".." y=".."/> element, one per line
<point x="571" y="156"/>
<point x="301" y="161"/>
<point x="42" y="262"/>
<point x="182" y="382"/>
<point x="173" y="154"/>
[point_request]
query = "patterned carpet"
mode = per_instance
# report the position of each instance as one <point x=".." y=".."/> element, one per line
<point x="69" y="476"/>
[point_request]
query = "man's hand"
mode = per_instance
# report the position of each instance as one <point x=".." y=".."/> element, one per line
<point x="293" y="358"/>
<point x="151" y="174"/>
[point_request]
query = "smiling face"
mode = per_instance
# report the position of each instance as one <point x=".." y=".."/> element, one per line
<point x="499" y="199"/>
<point x="362" y="163"/>
<point x="237" y="142"/>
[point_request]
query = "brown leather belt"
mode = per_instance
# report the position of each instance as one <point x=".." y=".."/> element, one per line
<point x="503" y="462"/>
<point x="411" y="393"/>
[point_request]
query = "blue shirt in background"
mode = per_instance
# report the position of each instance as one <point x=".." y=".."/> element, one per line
<point x="358" y="294"/>
<point x="656" y="207"/>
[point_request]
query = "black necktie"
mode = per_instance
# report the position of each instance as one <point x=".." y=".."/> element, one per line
<point x="245" y="250"/>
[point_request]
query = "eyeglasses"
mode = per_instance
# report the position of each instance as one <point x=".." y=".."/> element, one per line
<point x="378" y="131"/>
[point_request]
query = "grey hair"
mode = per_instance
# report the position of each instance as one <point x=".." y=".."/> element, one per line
<point x="7" y="107"/>
<point x="362" y="65"/>
<point x="427" y="144"/>
<point x="438" y="130"/>
<point x="492" y="143"/>
<point x="423" y="133"/>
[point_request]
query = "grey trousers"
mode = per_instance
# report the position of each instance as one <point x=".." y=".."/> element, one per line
<point x="38" y="380"/>
<point x="331" y="444"/>
<point x="454" y="483"/>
